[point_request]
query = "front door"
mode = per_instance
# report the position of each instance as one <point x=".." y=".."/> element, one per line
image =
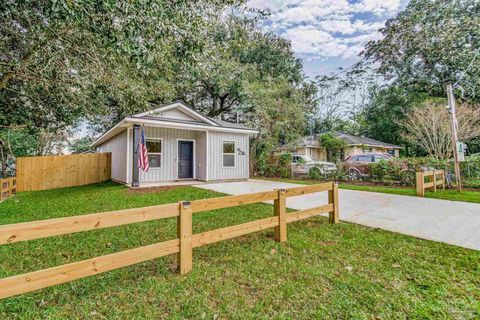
<point x="185" y="159"/>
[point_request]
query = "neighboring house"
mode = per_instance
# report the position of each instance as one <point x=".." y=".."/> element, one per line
<point x="310" y="145"/>
<point x="182" y="145"/>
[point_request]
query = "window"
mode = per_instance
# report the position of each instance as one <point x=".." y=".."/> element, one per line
<point x="366" y="150"/>
<point x="391" y="152"/>
<point x="154" y="147"/>
<point x="365" y="158"/>
<point x="229" y="154"/>
<point x="379" y="158"/>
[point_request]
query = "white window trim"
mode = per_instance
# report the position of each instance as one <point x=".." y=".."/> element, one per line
<point x="234" y="154"/>
<point x="207" y="147"/>
<point x="156" y="153"/>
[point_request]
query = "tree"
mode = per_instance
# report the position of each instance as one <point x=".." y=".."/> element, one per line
<point x="430" y="44"/>
<point x="428" y="126"/>
<point x="333" y="145"/>
<point x="236" y="53"/>
<point x="279" y="111"/>
<point x="382" y="117"/>
<point x="342" y="97"/>
<point x="80" y="145"/>
<point x="15" y="142"/>
<point x="64" y="61"/>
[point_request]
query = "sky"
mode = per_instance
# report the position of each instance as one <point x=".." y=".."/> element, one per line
<point x="327" y="34"/>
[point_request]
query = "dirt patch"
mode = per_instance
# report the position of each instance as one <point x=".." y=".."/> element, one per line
<point x="152" y="189"/>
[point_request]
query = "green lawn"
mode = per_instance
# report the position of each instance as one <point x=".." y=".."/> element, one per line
<point x="342" y="271"/>
<point x="449" y="194"/>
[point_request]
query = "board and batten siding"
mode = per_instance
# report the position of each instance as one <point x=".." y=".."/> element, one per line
<point x="169" y="167"/>
<point x="208" y="163"/>
<point x="174" y="114"/>
<point x="117" y="146"/>
<point x="201" y="155"/>
<point x="216" y="171"/>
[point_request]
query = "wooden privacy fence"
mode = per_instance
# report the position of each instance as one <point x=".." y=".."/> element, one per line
<point x="8" y="187"/>
<point x="183" y="245"/>
<point x="51" y="172"/>
<point x="432" y="183"/>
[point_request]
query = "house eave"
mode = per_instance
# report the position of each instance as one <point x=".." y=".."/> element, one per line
<point x="373" y="146"/>
<point x="195" y="127"/>
<point x="177" y="104"/>
<point x="113" y="131"/>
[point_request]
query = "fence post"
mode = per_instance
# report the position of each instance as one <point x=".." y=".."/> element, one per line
<point x="333" y="216"/>
<point x="434" y="181"/>
<point x="443" y="179"/>
<point x="280" y="209"/>
<point x="420" y="182"/>
<point x="184" y="224"/>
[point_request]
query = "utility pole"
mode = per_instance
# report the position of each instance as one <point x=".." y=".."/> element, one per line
<point x="452" y="111"/>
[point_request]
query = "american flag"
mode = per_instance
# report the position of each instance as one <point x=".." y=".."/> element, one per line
<point x="143" y="152"/>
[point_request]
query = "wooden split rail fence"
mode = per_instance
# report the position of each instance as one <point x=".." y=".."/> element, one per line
<point x="8" y="187"/>
<point x="433" y="182"/>
<point x="183" y="245"/>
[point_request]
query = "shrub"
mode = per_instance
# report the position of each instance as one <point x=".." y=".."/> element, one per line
<point x="285" y="159"/>
<point x="283" y="172"/>
<point x="314" y="173"/>
<point x="270" y="170"/>
<point x="380" y="170"/>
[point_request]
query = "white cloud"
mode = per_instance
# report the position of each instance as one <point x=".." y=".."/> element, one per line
<point x="272" y="5"/>
<point x="347" y="26"/>
<point x="378" y="7"/>
<point x="327" y="28"/>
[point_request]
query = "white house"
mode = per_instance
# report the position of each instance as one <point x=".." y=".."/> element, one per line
<point x="182" y="145"/>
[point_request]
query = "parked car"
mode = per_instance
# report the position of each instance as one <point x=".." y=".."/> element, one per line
<point x="359" y="165"/>
<point x="305" y="164"/>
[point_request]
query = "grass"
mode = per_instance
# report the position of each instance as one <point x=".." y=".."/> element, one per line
<point x="448" y="194"/>
<point x="323" y="271"/>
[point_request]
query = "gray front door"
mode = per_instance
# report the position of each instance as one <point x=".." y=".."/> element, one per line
<point x="185" y="159"/>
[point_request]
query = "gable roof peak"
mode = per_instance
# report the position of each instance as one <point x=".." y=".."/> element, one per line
<point x="178" y="104"/>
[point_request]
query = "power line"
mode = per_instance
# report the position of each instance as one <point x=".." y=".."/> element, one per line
<point x="468" y="67"/>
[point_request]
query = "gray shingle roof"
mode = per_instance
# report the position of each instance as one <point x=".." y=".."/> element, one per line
<point x="312" y="141"/>
<point x="358" y="140"/>
<point x="227" y="124"/>
<point x="221" y="123"/>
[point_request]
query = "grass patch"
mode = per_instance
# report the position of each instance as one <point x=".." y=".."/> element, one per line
<point x="323" y="271"/>
<point x="449" y="194"/>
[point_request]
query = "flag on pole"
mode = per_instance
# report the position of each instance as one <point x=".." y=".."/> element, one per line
<point x="143" y="152"/>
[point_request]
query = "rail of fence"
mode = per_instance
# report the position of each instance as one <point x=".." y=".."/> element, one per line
<point x="422" y="185"/>
<point x="183" y="245"/>
<point x="8" y="187"/>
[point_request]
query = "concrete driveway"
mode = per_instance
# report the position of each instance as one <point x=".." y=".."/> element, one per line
<point x="452" y="222"/>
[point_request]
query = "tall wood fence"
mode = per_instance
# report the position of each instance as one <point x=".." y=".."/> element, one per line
<point x="183" y="245"/>
<point x="51" y="172"/>
<point x="8" y="187"/>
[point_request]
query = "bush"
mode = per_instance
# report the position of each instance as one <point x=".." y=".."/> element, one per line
<point x="283" y="172"/>
<point x="285" y="159"/>
<point x="400" y="171"/>
<point x="270" y="170"/>
<point x="314" y="174"/>
<point x="380" y="170"/>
